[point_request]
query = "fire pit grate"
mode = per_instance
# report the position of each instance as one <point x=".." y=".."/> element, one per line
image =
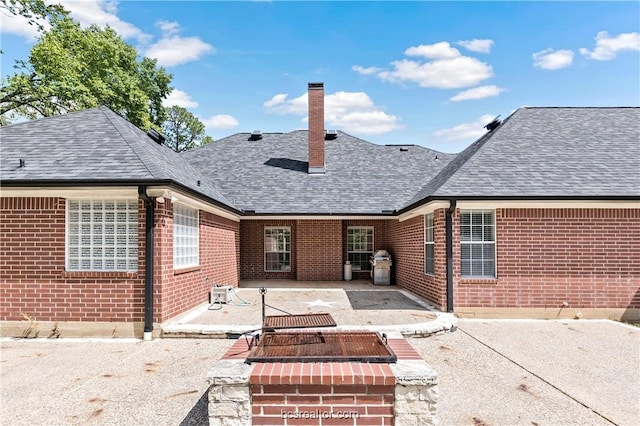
<point x="322" y="347"/>
<point x="273" y="322"/>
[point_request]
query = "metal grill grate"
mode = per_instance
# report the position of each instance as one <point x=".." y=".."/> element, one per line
<point x="322" y="347"/>
<point x="274" y="322"/>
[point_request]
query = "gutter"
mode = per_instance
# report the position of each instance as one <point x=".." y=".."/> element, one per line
<point x="449" y="250"/>
<point x="27" y="183"/>
<point x="148" y="262"/>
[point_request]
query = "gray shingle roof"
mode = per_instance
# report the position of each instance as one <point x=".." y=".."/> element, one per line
<point x="549" y="152"/>
<point x="93" y="146"/>
<point x="270" y="175"/>
<point x="536" y="152"/>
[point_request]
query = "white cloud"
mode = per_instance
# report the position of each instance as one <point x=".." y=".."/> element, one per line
<point x="477" y="93"/>
<point x="442" y="50"/>
<point x="172" y="49"/>
<point x="366" y="71"/>
<point x="356" y="112"/>
<point x="220" y="121"/>
<point x="550" y="59"/>
<point x="18" y="25"/>
<point x="454" y="73"/>
<point x="179" y="98"/>
<point x="87" y="12"/>
<point x="276" y="100"/>
<point x="607" y="47"/>
<point x="102" y="13"/>
<point x="465" y="131"/>
<point x="443" y="67"/>
<point x="477" y="45"/>
<point x="349" y="111"/>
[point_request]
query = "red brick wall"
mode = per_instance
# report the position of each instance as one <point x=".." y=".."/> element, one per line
<point x="33" y="276"/>
<point x="34" y="280"/>
<point x="177" y="291"/>
<point x="252" y="250"/>
<point x="589" y="258"/>
<point x="319" y="250"/>
<point x="380" y="240"/>
<point x="406" y="240"/>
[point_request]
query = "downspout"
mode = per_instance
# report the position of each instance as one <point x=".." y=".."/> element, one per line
<point x="148" y="261"/>
<point x="449" y="244"/>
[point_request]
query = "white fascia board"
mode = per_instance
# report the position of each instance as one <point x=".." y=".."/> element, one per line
<point x="80" y="192"/>
<point x="317" y="217"/>
<point x="430" y="207"/>
<point x="549" y="204"/>
<point x="190" y="201"/>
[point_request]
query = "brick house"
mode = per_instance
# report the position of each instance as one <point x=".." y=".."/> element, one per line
<point x="540" y="217"/>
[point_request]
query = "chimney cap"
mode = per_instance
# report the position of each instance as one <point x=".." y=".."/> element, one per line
<point x="316" y="85"/>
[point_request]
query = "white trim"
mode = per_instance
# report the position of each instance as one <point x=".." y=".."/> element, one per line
<point x="431" y="243"/>
<point x="264" y="247"/>
<point x="548" y="204"/>
<point x="187" y="215"/>
<point x="373" y="244"/>
<point x="77" y="193"/>
<point x="471" y="243"/>
<point x="316" y="217"/>
<point x="424" y="209"/>
<point x="192" y="202"/>
<point x="522" y="204"/>
<point x="102" y="246"/>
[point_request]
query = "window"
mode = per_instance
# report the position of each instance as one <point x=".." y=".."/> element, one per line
<point x="277" y="249"/>
<point x="102" y="235"/>
<point x="186" y="240"/>
<point x="360" y="247"/>
<point x="429" y="249"/>
<point x="478" y="243"/>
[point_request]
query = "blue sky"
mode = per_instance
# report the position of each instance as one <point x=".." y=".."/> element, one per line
<point x="427" y="73"/>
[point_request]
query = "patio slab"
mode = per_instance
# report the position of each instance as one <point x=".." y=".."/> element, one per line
<point x="355" y="306"/>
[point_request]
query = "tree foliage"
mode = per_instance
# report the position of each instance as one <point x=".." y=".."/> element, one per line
<point x="183" y="130"/>
<point x="37" y="12"/>
<point x="72" y="68"/>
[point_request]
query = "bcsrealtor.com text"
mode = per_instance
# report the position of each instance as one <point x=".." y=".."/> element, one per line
<point x="319" y="414"/>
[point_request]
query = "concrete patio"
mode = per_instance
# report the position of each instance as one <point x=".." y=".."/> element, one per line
<point x="353" y="304"/>
<point x="571" y="372"/>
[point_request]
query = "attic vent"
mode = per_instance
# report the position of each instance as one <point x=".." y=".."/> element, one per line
<point x="157" y="137"/>
<point x="330" y="135"/>
<point x="256" y="135"/>
<point x="404" y="149"/>
<point x="493" y="124"/>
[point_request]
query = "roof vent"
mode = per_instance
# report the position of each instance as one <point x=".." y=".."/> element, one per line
<point x="256" y="135"/>
<point x="404" y="149"/>
<point x="493" y="124"/>
<point x="330" y="135"/>
<point x="157" y="137"/>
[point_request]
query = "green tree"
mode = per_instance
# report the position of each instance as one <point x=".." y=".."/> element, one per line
<point x="72" y="68"/>
<point x="183" y="130"/>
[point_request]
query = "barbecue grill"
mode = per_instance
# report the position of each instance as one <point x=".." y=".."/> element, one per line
<point x="381" y="268"/>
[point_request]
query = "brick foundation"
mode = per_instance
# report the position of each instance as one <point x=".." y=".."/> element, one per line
<point x="336" y="393"/>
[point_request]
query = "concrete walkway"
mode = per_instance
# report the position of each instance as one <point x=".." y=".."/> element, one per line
<point x="490" y="373"/>
<point x="356" y="305"/>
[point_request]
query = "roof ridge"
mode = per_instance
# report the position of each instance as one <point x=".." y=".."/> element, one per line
<point x="101" y="109"/>
<point x="455" y="164"/>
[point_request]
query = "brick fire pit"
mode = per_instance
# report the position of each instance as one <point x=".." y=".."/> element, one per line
<point x="323" y="393"/>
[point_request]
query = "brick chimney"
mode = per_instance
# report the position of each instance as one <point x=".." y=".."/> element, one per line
<point x="316" y="128"/>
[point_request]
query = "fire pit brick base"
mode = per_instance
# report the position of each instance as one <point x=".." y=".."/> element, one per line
<point x="333" y="393"/>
